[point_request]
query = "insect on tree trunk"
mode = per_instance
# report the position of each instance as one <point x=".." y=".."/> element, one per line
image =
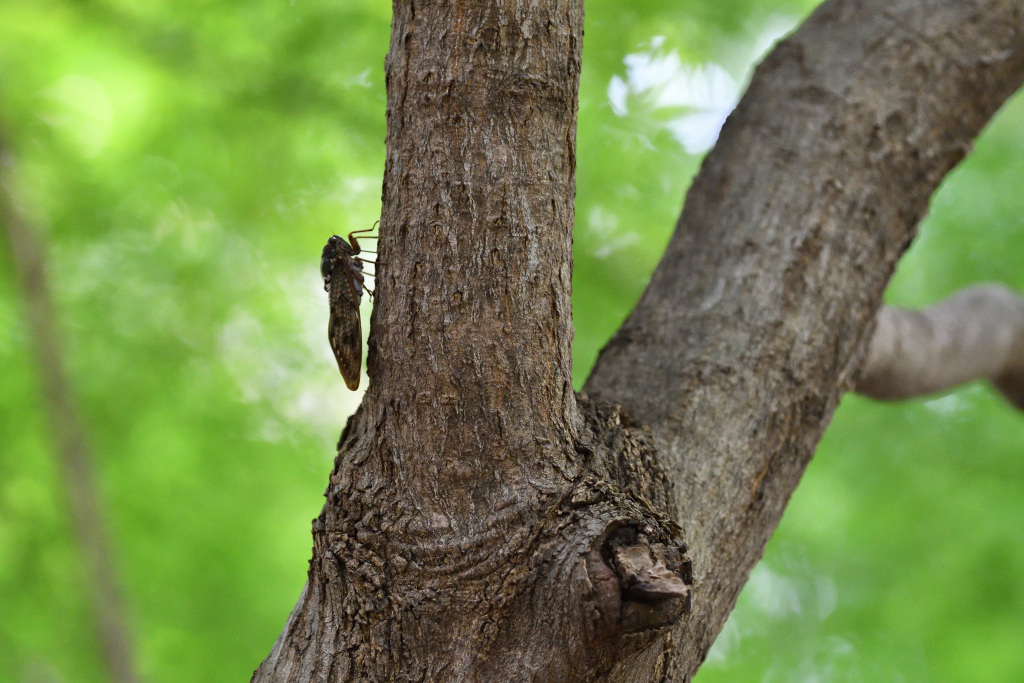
<point x="342" y="269"/>
<point x="485" y="523"/>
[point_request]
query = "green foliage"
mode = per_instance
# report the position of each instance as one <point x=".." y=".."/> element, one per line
<point x="185" y="163"/>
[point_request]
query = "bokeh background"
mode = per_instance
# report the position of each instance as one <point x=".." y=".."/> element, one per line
<point x="183" y="163"/>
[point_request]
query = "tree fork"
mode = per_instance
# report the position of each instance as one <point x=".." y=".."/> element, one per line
<point x="482" y="523"/>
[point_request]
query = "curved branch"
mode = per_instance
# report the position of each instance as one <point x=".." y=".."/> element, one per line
<point x="978" y="333"/>
<point x="756" y="320"/>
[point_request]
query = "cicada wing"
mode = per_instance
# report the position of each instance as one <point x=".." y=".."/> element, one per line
<point x="344" y="329"/>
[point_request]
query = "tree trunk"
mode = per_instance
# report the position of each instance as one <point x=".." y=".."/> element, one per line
<point x="482" y="522"/>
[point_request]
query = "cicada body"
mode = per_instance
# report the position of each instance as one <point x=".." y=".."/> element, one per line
<point x="342" y="270"/>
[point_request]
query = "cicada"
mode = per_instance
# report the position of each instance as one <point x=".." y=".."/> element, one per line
<point x="342" y="270"/>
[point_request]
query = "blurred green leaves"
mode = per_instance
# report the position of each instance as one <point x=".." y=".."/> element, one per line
<point x="185" y="162"/>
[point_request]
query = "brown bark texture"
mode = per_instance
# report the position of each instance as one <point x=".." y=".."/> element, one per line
<point x="482" y="522"/>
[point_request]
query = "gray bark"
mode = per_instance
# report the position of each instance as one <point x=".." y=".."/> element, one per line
<point x="482" y="522"/>
<point x="976" y="334"/>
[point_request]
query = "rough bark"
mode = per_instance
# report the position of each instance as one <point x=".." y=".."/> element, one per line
<point x="481" y="522"/>
<point x="754" y="323"/>
<point x="976" y="334"/>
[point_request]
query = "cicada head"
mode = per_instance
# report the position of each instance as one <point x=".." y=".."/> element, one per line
<point x="327" y="258"/>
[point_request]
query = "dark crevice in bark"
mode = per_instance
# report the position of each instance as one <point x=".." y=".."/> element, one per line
<point x="589" y="576"/>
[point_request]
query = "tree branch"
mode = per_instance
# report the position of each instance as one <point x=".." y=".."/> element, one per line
<point x="978" y="333"/>
<point x="66" y="429"/>
<point x="756" y="319"/>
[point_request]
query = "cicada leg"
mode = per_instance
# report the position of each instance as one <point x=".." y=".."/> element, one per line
<point x="352" y="236"/>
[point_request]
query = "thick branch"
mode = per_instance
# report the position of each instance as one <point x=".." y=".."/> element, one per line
<point x="755" y="322"/>
<point x="977" y="334"/>
<point x="72" y="447"/>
